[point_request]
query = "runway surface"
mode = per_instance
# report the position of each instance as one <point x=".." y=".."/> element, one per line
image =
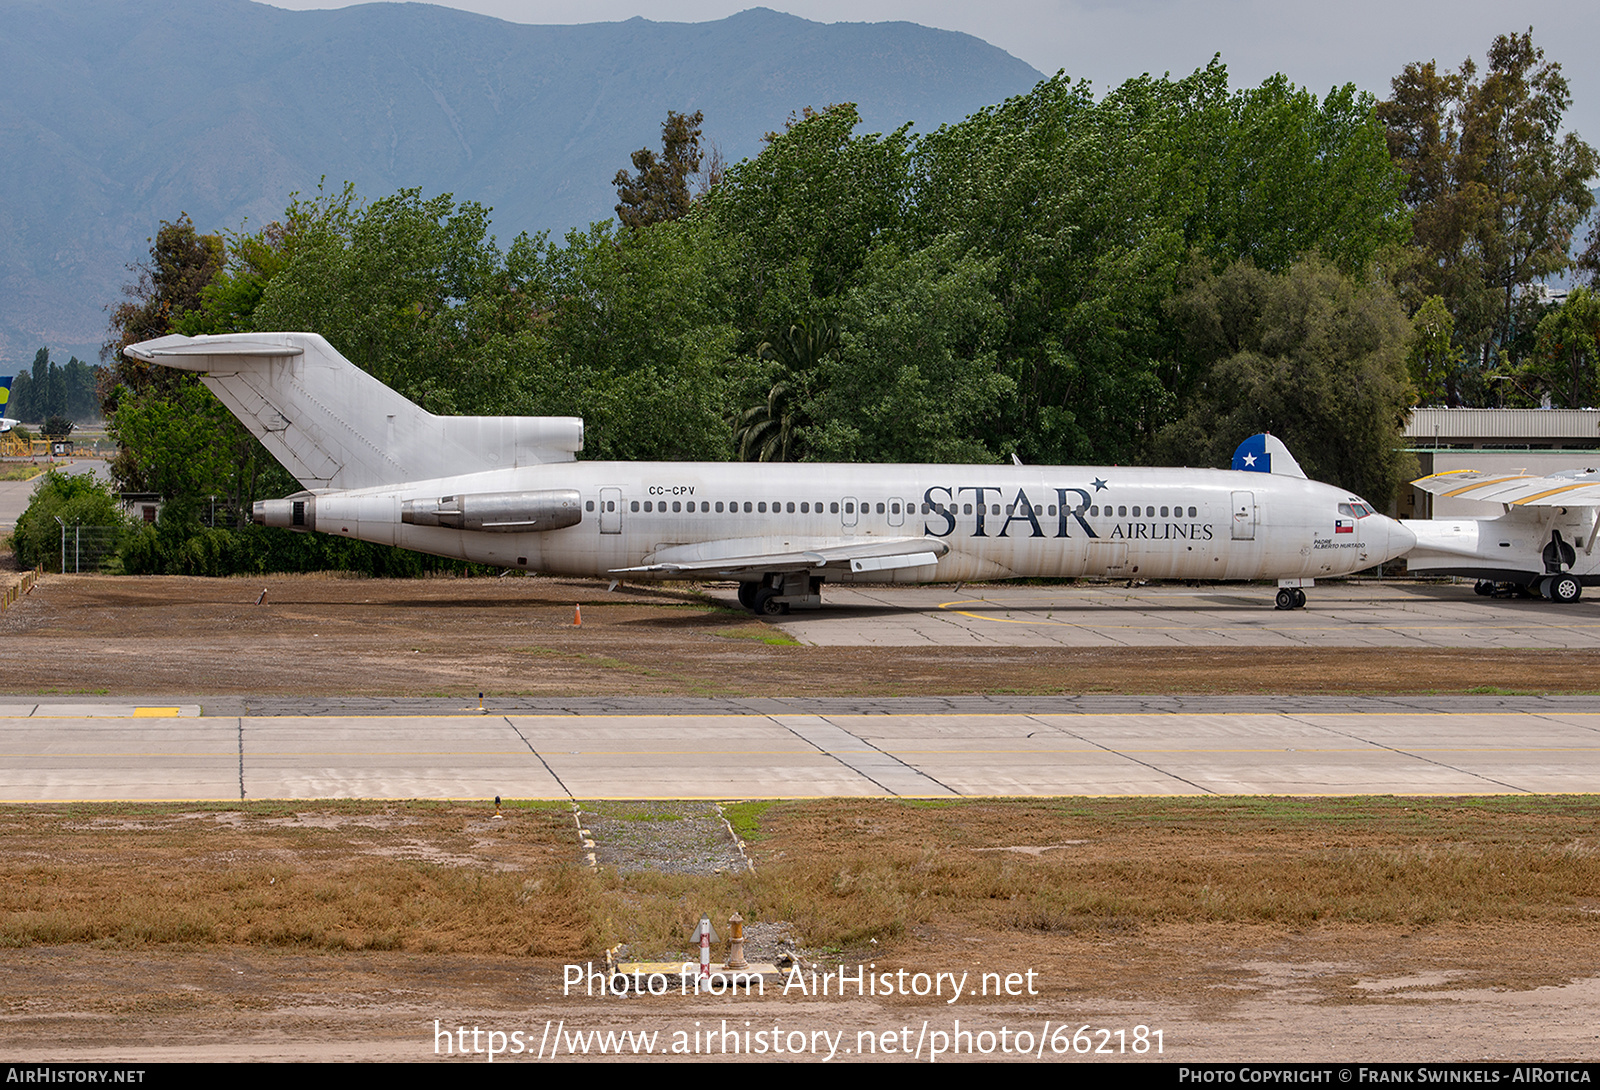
<point x="1422" y="746"/>
<point x="1369" y="613"/>
<point x="16" y="495"/>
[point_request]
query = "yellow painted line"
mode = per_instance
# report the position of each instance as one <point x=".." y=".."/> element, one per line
<point x="1492" y="480"/>
<point x="1552" y="492"/>
<point x="155" y="713"/>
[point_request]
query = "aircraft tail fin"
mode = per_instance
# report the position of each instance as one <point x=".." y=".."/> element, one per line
<point x="1265" y="453"/>
<point x="334" y="426"/>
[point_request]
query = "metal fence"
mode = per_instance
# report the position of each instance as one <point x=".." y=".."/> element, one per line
<point x="88" y="548"/>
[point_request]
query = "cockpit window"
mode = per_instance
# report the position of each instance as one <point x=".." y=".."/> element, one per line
<point x="1355" y="510"/>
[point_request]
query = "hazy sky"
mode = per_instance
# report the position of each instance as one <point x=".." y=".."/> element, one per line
<point x="1317" y="45"/>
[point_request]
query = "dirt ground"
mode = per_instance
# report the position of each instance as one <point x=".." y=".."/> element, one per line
<point x="456" y="637"/>
<point x="1520" y="988"/>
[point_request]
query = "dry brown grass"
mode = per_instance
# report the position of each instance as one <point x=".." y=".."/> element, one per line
<point x="1119" y="864"/>
<point x="427" y="877"/>
<point x="449" y="878"/>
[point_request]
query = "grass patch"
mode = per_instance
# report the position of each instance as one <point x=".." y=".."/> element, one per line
<point x="24" y="472"/>
<point x="760" y="633"/>
<point x="745" y="819"/>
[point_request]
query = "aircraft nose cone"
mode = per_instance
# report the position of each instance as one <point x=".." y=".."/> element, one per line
<point x="1401" y="538"/>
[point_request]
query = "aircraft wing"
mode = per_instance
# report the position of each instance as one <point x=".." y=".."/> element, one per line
<point x="1571" y="488"/>
<point x="733" y="557"/>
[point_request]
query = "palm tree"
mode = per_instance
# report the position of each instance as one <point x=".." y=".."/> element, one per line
<point x="774" y="431"/>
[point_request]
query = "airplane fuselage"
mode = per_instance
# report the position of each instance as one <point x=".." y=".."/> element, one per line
<point x="649" y="519"/>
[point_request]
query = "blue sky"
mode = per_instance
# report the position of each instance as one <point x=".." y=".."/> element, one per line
<point x="1317" y="45"/>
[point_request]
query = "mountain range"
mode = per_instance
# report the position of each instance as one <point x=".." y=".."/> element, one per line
<point x="118" y="114"/>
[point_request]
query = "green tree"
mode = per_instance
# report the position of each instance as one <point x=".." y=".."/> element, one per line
<point x="78" y="500"/>
<point x="805" y="213"/>
<point x="636" y="337"/>
<point x="1437" y="364"/>
<point x="917" y="377"/>
<point x="772" y="431"/>
<point x="408" y="289"/>
<point x="168" y="286"/>
<point x="1565" y="364"/>
<point x="1311" y="355"/>
<point x="1496" y="188"/>
<point x="660" y="189"/>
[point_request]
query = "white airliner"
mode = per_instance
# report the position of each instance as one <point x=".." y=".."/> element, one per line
<point x="509" y="491"/>
<point x="1542" y="541"/>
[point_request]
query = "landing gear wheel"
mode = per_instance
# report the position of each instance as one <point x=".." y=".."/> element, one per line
<point x="1484" y="587"/>
<point x="1564" y="589"/>
<point x="1286" y="598"/>
<point x="747" y="594"/>
<point x="767" y="603"/>
<point x="1299" y="598"/>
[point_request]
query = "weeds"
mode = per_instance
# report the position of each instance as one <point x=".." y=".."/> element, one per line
<point x="449" y="877"/>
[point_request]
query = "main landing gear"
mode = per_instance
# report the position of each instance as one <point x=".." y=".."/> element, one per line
<point x="778" y="594"/>
<point x="1562" y="588"/>
<point x="1291" y="598"/>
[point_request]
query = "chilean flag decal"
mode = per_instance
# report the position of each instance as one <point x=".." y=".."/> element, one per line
<point x="1344" y="526"/>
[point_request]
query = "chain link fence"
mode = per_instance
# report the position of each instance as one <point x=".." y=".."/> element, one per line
<point x="90" y="548"/>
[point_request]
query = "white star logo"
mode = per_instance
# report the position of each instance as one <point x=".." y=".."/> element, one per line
<point x="1249" y="459"/>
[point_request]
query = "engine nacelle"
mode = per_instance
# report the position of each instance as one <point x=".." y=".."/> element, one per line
<point x="498" y="512"/>
<point x="296" y="512"/>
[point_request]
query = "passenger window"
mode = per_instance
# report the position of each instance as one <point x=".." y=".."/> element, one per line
<point x="791" y="507"/>
<point x="589" y="506"/>
<point x="805" y="509"/>
<point x="833" y="508"/>
<point x="849" y="508"/>
<point x="611" y="505"/>
<point x="880" y="508"/>
<point x="634" y="506"/>
<point x="1122" y="512"/>
<point x="762" y="507"/>
<point x="894" y="508"/>
<point x="966" y="509"/>
<point x="747" y="507"/>
<point x="676" y="506"/>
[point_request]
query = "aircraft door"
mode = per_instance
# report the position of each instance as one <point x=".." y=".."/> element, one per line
<point x="611" y="510"/>
<point x="897" y="509"/>
<point x="1244" y="516"/>
<point x="847" y="511"/>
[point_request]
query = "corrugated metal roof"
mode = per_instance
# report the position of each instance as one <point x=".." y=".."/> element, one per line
<point x="1460" y="425"/>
